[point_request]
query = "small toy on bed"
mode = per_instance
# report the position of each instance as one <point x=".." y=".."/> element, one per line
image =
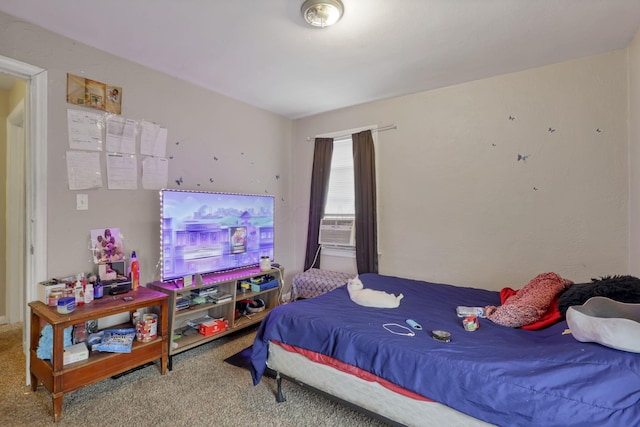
<point x="370" y="297"/>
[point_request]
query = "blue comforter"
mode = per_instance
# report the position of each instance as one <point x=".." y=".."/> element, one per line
<point x="505" y="376"/>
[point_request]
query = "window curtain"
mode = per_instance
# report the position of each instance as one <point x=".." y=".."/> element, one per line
<point x="319" y="187"/>
<point x="364" y="169"/>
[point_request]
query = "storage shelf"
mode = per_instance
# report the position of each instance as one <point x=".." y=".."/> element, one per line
<point x="201" y="307"/>
<point x="195" y="339"/>
<point x="59" y="378"/>
<point x="227" y="283"/>
<point x="104" y="357"/>
<point x="252" y="295"/>
<point x="244" y="321"/>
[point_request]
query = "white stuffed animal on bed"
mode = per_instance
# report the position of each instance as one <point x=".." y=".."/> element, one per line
<point x="370" y="297"/>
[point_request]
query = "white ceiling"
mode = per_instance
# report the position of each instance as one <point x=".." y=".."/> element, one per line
<point x="261" y="51"/>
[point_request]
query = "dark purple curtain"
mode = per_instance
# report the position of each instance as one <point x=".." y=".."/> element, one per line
<point x="364" y="169"/>
<point x="319" y="189"/>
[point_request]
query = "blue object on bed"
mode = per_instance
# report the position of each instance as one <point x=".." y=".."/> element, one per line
<point x="501" y="375"/>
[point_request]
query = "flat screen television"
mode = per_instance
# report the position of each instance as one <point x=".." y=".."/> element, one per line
<point x="205" y="232"/>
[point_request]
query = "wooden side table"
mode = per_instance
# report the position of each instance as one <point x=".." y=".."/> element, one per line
<point x="60" y="379"/>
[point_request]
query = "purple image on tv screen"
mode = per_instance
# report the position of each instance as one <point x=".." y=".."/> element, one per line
<point x="205" y="232"/>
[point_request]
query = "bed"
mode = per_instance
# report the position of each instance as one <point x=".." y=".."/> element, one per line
<point x="494" y="375"/>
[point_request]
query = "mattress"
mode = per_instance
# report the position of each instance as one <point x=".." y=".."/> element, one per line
<point x="501" y="375"/>
<point x="365" y="394"/>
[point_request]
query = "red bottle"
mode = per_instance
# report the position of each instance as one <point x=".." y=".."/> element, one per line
<point x="135" y="271"/>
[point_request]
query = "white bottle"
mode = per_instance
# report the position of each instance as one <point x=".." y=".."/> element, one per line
<point x="88" y="293"/>
<point x="78" y="290"/>
<point x="265" y="263"/>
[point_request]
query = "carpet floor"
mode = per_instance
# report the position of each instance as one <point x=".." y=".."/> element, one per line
<point x="201" y="390"/>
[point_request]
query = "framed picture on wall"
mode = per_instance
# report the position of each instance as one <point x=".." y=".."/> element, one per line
<point x="75" y="89"/>
<point x="107" y="245"/>
<point x="114" y="99"/>
<point x="94" y="94"/>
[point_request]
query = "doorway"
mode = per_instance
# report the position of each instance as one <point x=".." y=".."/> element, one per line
<point x="34" y="237"/>
<point x="15" y="212"/>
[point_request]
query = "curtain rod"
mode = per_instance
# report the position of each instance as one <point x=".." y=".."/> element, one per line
<point x="380" y="129"/>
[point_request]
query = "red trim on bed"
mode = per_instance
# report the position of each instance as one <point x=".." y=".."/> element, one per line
<point x="349" y="369"/>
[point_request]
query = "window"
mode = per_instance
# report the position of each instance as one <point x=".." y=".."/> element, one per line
<point x="340" y="196"/>
<point x="337" y="232"/>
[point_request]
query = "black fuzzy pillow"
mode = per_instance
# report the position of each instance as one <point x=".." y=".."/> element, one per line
<point x="618" y="288"/>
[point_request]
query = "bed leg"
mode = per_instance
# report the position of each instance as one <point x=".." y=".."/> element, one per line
<point x="280" y="396"/>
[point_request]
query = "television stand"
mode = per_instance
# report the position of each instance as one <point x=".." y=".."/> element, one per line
<point x="185" y="337"/>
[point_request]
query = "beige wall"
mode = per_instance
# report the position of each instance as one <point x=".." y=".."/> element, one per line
<point x="634" y="156"/>
<point x="456" y="204"/>
<point x="253" y="146"/>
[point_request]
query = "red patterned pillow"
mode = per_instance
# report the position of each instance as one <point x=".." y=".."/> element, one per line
<point x="529" y="305"/>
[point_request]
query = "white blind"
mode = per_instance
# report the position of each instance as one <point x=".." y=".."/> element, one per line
<point x="340" y="198"/>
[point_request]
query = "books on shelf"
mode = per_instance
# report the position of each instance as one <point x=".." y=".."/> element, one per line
<point x="182" y="304"/>
<point x="221" y="298"/>
<point x="206" y="292"/>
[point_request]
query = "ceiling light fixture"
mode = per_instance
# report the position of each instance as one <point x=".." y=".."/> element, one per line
<point x="322" y="13"/>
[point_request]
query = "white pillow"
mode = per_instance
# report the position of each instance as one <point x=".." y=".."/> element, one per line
<point x="605" y="321"/>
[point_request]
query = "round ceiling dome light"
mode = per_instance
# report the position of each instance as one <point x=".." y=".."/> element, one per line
<point x="322" y="13"/>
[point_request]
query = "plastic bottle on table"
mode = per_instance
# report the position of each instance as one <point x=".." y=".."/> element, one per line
<point x="88" y="293"/>
<point x="97" y="290"/>
<point x="78" y="290"/>
<point x="135" y="271"/>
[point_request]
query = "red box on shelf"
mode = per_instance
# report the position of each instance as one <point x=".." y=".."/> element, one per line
<point x="212" y="327"/>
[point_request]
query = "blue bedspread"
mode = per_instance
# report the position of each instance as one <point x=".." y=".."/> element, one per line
<point x="505" y="376"/>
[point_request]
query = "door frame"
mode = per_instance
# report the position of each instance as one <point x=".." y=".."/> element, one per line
<point x="35" y="185"/>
